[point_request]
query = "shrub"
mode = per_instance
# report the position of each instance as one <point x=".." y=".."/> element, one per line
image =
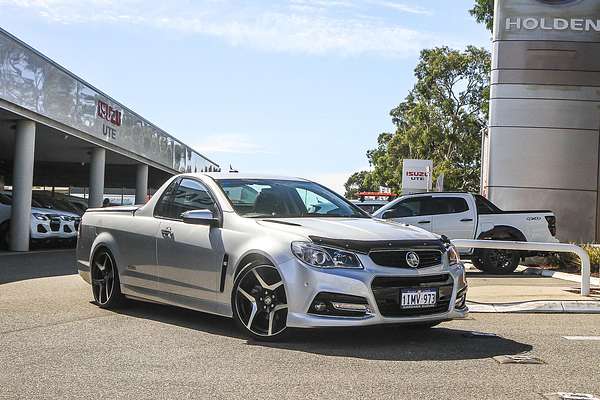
<point x="571" y="262"/>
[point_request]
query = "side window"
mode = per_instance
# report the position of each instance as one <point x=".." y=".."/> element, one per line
<point x="191" y="195"/>
<point x="414" y="207"/>
<point x="448" y="205"/>
<point x="164" y="203"/>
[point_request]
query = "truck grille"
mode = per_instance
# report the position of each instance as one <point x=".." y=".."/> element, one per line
<point x="387" y="292"/>
<point x="54" y="225"/>
<point x="397" y="258"/>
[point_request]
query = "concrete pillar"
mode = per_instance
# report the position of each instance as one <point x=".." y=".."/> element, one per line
<point x="141" y="184"/>
<point x="97" y="165"/>
<point x="20" y="223"/>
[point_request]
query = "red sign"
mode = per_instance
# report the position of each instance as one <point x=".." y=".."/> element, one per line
<point x="108" y="113"/>
<point x="416" y="173"/>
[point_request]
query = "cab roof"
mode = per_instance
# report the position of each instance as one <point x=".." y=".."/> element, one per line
<point x="230" y="175"/>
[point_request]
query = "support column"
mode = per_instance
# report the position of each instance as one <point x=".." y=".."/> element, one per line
<point x="141" y="184"/>
<point x="97" y="165"/>
<point x="20" y="223"/>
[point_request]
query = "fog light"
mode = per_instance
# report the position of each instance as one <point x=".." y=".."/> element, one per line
<point x="350" y="307"/>
<point x="340" y="305"/>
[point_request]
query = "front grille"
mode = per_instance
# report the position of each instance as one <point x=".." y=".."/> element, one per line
<point x="54" y="225"/>
<point x="387" y="292"/>
<point x="397" y="258"/>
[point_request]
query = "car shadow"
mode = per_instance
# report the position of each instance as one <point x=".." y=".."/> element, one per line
<point x="16" y="267"/>
<point x="389" y="343"/>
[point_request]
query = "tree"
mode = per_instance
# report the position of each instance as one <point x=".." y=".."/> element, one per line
<point x="441" y="119"/>
<point x="483" y="11"/>
<point x="359" y="182"/>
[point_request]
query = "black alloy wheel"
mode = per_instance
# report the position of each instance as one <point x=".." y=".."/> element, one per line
<point x="259" y="302"/>
<point x="105" y="281"/>
<point x="497" y="262"/>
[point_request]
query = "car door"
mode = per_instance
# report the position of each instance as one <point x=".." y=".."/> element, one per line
<point x="189" y="255"/>
<point x="414" y="211"/>
<point x="452" y="217"/>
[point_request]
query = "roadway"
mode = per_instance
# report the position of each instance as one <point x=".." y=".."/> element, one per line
<point x="56" y="344"/>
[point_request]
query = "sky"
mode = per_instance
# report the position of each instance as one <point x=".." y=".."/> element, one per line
<point x="287" y="87"/>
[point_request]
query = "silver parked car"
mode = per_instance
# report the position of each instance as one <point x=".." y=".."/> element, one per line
<point x="273" y="253"/>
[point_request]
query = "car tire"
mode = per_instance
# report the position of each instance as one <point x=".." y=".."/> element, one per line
<point x="497" y="262"/>
<point x="5" y="235"/>
<point x="106" y="286"/>
<point x="259" y="302"/>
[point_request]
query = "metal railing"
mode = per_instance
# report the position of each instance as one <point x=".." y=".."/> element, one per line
<point x="535" y="246"/>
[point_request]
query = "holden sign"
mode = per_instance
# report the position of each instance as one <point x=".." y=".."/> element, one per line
<point x="416" y="176"/>
<point x="575" y="20"/>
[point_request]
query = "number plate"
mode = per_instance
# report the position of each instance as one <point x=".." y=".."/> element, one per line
<point x="418" y="298"/>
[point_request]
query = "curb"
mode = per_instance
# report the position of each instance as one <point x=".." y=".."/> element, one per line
<point x="559" y="275"/>
<point x="549" y="306"/>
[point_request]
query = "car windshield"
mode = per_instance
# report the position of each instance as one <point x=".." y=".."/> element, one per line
<point x="274" y="198"/>
<point x="45" y="201"/>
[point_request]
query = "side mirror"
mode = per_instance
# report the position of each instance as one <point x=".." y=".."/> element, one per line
<point x="200" y="217"/>
<point x="389" y="214"/>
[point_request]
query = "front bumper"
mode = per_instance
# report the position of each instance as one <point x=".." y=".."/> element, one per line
<point x="303" y="283"/>
<point x="53" y="228"/>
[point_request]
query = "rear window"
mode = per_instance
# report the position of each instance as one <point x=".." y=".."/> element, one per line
<point x="484" y="206"/>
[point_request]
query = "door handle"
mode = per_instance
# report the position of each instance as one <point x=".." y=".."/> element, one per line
<point x="424" y="222"/>
<point x="167" y="233"/>
<point x="466" y="220"/>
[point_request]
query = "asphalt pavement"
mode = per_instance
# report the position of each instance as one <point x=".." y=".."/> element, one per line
<point x="54" y="343"/>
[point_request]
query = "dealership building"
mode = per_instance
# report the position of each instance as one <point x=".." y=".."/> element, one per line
<point x="58" y="130"/>
<point x="542" y="147"/>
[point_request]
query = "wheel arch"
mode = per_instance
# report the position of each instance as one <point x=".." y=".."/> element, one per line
<point x="106" y="241"/>
<point x="503" y="232"/>
<point x="249" y="257"/>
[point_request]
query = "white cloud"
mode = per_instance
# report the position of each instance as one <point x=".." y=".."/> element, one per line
<point x="295" y="27"/>
<point x="401" y="7"/>
<point x="230" y="143"/>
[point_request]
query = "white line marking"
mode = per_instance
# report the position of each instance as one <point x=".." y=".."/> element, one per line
<point x="582" y="337"/>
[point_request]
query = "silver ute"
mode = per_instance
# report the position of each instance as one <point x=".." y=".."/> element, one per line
<point x="274" y="253"/>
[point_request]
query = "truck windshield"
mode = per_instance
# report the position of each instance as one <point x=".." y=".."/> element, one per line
<point x="274" y="198"/>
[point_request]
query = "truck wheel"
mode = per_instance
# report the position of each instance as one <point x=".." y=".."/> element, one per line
<point x="497" y="262"/>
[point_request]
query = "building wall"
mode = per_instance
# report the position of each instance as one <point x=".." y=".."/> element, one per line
<point x="542" y="146"/>
<point x="32" y="82"/>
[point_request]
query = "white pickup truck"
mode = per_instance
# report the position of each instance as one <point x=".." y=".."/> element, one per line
<point x="472" y="216"/>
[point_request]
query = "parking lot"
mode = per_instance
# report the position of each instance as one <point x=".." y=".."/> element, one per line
<point x="56" y="344"/>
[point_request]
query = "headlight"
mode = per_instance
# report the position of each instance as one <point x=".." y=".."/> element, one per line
<point x="453" y="256"/>
<point x="41" y="217"/>
<point x="324" y="257"/>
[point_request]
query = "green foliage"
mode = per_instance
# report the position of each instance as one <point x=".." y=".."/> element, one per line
<point x="483" y="11"/>
<point x="571" y="262"/>
<point x="359" y="182"/>
<point x="441" y="119"/>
